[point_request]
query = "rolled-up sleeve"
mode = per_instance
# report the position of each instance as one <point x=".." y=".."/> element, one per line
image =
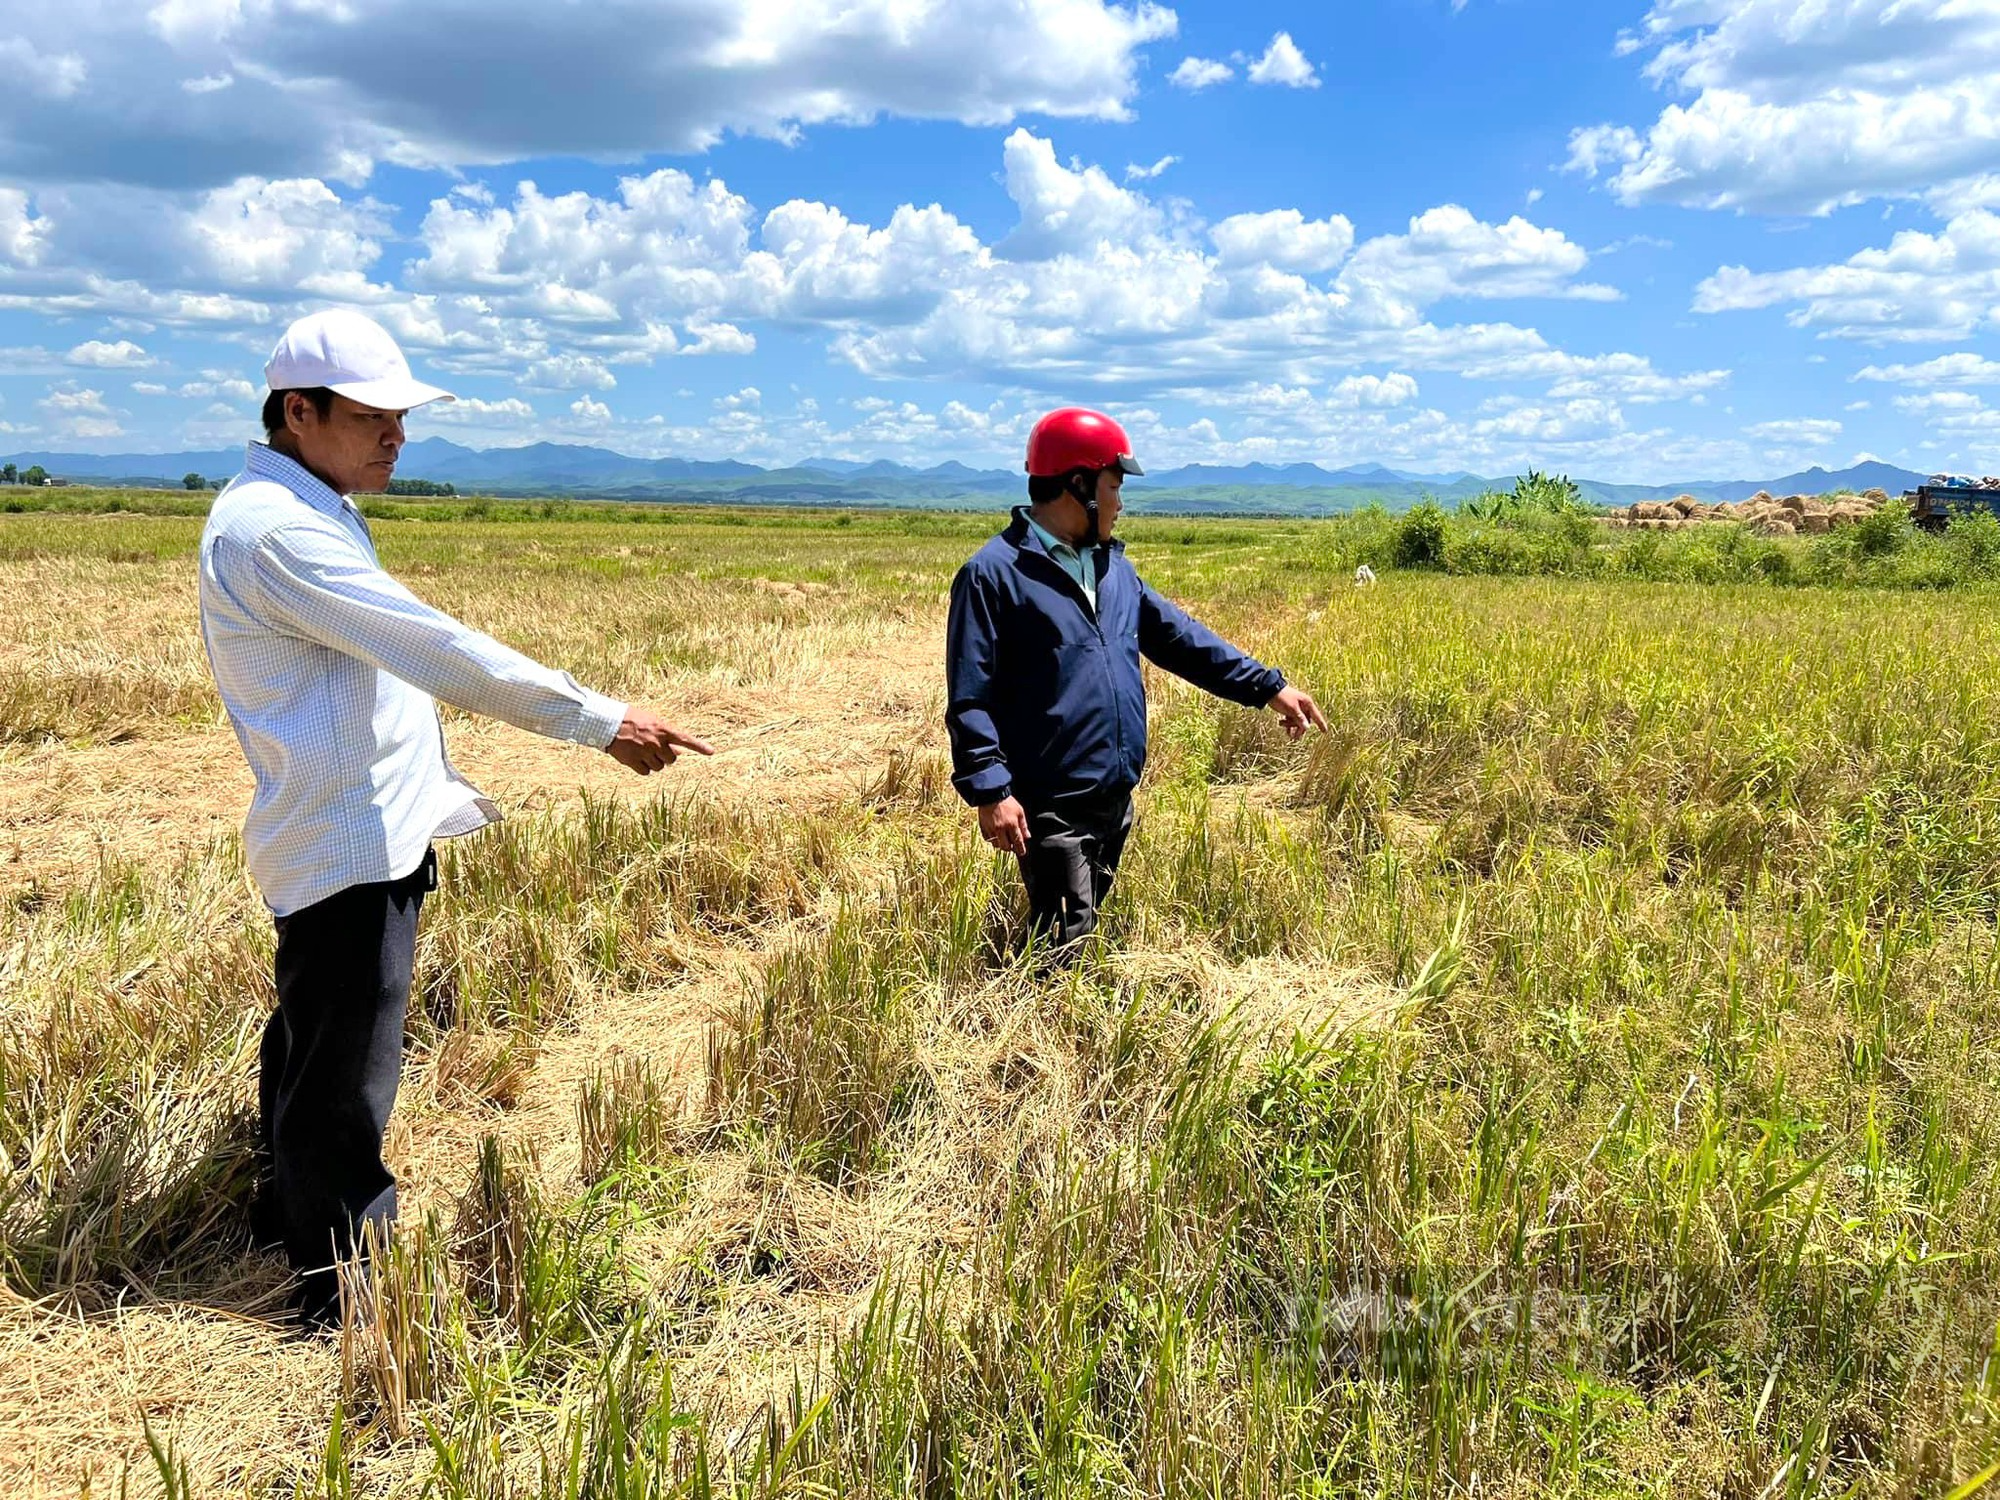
<point x="978" y="764"/>
<point x="315" y="583"/>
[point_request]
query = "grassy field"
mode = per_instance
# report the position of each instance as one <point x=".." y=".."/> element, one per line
<point x="1576" y="1075"/>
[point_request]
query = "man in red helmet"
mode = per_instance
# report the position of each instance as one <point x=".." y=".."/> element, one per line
<point x="1047" y="710"/>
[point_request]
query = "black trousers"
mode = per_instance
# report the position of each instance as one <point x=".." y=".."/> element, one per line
<point x="1072" y="858"/>
<point x="328" y="1068"/>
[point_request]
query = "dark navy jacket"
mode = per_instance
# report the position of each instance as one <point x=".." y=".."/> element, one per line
<point x="1046" y="698"/>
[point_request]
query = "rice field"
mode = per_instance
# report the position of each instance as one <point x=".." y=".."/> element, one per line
<point x="1576" y="1075"/>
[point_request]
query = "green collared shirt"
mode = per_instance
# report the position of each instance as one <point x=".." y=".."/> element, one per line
<point x="1079" y="564"/>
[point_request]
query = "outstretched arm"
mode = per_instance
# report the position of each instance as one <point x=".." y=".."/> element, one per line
<point x="318" y="585"/>
<point x="1172" y="639"/>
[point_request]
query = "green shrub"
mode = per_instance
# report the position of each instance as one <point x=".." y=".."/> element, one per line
<point x="1370" y="535"/>
<point x="1974" y="541"/>
<point x="1887" y="531"/>
<point x="1495" y="550"/>
<point x="1420" y="539"/>
<point x="1523" y="544"/>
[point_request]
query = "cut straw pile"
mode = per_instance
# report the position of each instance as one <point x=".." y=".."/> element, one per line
<point x="1763" y="513"/>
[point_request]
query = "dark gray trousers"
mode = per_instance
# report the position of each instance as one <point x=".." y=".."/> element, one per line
<point x="1072" y="859"/>
<point x="327" y="1072"/>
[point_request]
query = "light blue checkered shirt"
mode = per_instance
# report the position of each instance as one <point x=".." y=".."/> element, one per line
<point x="329" y="668"/>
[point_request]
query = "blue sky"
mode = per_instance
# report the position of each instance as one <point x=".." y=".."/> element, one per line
<point x="1640" y="241"/>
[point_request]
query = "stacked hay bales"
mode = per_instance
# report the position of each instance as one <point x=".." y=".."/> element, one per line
<point x="1763" y="513"/>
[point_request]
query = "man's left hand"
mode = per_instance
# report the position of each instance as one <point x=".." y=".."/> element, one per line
<point x="1297" y="711"/>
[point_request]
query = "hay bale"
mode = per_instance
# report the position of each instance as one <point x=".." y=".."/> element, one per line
<point x="1796" y="504"/>
<point x="1649" y="510"/>
<point x="1816" y="524"/>
<point x="1763" y="497"/>
<point x="1685" y="505"/>
<point x="1726" y="510"/>
<point x="1777" y="527"/>
<point x="1876" y="495"/>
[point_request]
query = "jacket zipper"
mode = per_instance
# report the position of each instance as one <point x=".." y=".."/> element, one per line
<point x="1096" y="619"/>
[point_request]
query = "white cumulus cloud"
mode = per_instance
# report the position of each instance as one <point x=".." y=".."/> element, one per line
<point x="1197" y="73"/>
<point x="570" y="372"/>
<point x="1801" y="106"/>
<point x="1627" y="378"/>
<point x="1137" y="172"/>
<point x="74" y="412"/>
<point x="1283" y="238"/>
<point x="473" y="411"/>
<point x="1067" y="208"/>
<point x="1450" y="253"/>
<point x="1920" y="286"/>
<point x="1947" y="369"/>
<point x="1283" y="63"/>
<point x="655" y="76"/>
<point x="122" y="355"/>
<point x="1373" y="390"/>
<point x="23" y="233"/>
<point x="1097" y="291"/>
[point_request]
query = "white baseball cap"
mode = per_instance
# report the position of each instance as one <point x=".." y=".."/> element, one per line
<point x="350" y="355"/>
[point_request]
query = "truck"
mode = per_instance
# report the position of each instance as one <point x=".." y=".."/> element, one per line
<point x="1933" y="505"/>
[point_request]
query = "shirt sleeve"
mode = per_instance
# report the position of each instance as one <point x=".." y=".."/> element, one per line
<point x="1187" y="648"/>
<point x="320" y="586"/>
<point x="978" y="764"/>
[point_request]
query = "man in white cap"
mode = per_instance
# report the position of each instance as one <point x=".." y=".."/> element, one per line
<point x="329" y="668"/>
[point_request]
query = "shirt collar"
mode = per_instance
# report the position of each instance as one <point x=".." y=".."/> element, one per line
<point x="1055" y="544"/>
<point x="265" y="462"/>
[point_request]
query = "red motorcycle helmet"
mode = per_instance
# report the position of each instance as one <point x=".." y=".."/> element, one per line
<point x="1077" y="438"/>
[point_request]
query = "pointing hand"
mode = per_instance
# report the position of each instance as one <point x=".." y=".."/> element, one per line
<point x="646" y="743"/>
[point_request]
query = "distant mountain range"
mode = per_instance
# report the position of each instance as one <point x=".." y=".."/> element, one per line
<point x="599" y="473"/>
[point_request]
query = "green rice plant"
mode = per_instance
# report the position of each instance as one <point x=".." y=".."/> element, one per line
<point x="624" y="1121"/>
<point x="820" y="1058"/>
<point x="1248" y="886"/>
<point x="402" y="1337"/>
<point x="550" y="1276"/>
